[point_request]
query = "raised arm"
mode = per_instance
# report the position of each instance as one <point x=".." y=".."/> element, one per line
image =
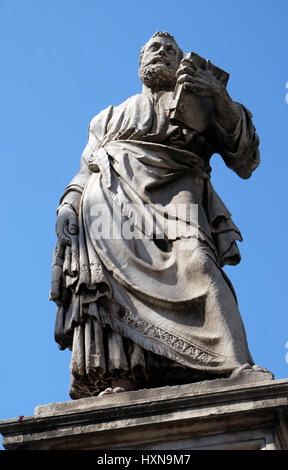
<point x="232" y="132"/>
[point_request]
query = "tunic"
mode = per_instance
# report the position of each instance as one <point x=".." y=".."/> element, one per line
<point x="143" y="292"/>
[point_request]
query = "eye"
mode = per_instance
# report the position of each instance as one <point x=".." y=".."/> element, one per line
<point x="153" y="47"/>
<point x="171" y="50"/>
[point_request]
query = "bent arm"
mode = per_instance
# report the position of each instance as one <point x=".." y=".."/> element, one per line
<point x="231" y="132"/>
<point x="239" y="146"/>
<point x="73" y="192"/>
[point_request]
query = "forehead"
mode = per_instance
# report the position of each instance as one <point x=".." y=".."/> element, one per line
<point x="160" y="40"/>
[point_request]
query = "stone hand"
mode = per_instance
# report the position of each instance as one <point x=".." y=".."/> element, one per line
<point x="66" y="224"/>
<point x="197" y="80"/>
<point x="203" y="82"/>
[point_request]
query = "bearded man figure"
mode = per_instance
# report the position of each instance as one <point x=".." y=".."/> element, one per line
<point x="154" y="310"/>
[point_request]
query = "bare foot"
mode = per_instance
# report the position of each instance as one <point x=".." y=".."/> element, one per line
<point x="249" y="369"/>
<point x="107" y="391"/>
<point x="261" y="369"/>
<point x="119" y="390"/>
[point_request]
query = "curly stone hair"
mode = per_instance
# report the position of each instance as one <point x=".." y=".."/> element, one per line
<point x="163" y="34"/>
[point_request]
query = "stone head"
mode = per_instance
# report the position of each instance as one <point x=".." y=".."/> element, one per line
<point x="159" y="60"/>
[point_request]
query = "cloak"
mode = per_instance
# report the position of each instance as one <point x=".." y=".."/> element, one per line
<point x="142" y="290"/>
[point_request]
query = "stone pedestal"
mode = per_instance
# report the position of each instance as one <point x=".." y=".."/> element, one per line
<point x="229" y="414"/>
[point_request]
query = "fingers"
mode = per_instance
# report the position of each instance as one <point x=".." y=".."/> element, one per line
<point x="56" y="282"/>
<point x="200" y="87"/>
<point x="186" y="70"/>
<point x="196" y="80"/>
<point x="66" y="226"/>
<point x="187" y="74"/>
<point x="189" y="63"/>
<point x="186" y="78"/>
<point x="61" y="226"/>
<point x="73" y="228"/>
<point x="196" y="84"/>
<point x="58" y="254"/>
<point x="62" y="237"/>
<point x="199" y="90"/>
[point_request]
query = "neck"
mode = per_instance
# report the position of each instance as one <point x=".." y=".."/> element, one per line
<point x="154" y="90"/>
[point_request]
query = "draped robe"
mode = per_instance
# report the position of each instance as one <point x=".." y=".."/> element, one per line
<point x="154" y="309"/>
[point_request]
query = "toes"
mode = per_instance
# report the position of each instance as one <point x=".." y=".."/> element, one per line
<point x="240" y="370"/>
<point x="261" y="369"/>
<point x="107" y="391"/>
<point x="119" y="390"/>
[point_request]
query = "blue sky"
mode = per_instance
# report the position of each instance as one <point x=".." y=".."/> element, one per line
<point x="61" y="63"/>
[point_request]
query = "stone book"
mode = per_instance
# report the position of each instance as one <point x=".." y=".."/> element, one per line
<point x="190" y="110"/>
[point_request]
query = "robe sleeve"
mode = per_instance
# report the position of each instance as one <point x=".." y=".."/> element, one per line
<point x="239" y="149"/>
<point x="65" y="259"/>
<point x="96" y="134"/>
<point x="73" y="192"/>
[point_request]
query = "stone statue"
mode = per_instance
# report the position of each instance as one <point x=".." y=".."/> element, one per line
<point x="142" y="298"/>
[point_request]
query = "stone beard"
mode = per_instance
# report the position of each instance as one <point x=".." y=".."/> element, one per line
<point x="158" y="75"/>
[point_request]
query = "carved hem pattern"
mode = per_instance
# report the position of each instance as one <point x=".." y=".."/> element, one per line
<point x="134" y="322"/>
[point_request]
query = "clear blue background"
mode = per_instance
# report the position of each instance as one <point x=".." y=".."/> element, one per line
<point x="62" y="61"/>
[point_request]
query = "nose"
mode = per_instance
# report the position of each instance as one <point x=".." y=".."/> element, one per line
<point x="162" y="51"/>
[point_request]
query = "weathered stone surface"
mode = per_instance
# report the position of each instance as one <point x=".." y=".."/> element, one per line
<point x="219" y="414"/>
<point x="143" y="236"/>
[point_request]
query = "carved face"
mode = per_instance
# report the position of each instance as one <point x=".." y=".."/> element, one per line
<point x="159" y="63"/>
<point x="161" y="50"/>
